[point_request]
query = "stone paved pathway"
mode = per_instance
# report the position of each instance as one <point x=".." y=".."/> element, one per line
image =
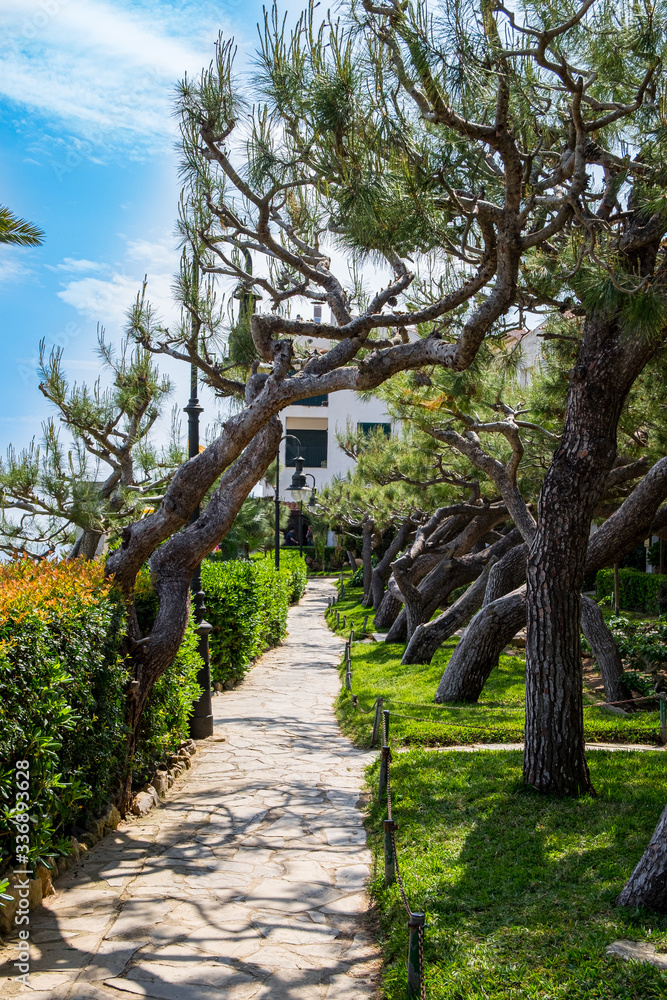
<point x="249" y="881"/>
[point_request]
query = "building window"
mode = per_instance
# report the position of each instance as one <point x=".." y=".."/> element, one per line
<point x="313" y="448"/>
<point x="321" y="400"/>
<point x="366" y="428"/>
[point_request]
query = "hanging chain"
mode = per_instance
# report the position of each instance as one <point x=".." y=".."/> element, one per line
<point x="389" y="816"/>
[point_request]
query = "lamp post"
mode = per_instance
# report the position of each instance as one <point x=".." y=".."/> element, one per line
<point x="298" y="490"/>
<point x="201" y="723"/>
<point x="297" y="486"/>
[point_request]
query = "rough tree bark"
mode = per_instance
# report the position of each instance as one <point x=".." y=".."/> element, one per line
<point x="605" y="650"/>
<point x="639" y="514"/>
<point x="507" y="574"/>
<point x="382" y="571"/>
<point x="430" y="636"/>
<point x="647" y="886"/>
<point x="507" y="571"/>
<point x="172" y="566"/>
<point x="389" y="610"/>
<point x="609" y="362"/>
<point x="480" y="646"/>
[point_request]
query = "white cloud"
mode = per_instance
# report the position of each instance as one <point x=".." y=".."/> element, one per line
<point x="158" y="254"/>
<point x="12" y="267"/>
<point x="72" y="265"/>
<point x="108" y="72"/>
<point x="108" y="300"/>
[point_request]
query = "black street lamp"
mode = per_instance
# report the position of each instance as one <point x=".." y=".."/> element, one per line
<point x="201" y="723"/>
<point x="298" y="490"/>
<point x="297" y="486"/>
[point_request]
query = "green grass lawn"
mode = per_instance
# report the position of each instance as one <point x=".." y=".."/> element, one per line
<point x="498" y="717"/>
<point x="518" y="889"/>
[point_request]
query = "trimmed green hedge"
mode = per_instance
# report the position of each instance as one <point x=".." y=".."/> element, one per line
<point x="246" y="603"/>
<point x="62" y="699"/>
<point x="637" y="591"/>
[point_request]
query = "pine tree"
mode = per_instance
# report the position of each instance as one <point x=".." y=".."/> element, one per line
<point x="58" y="499"/>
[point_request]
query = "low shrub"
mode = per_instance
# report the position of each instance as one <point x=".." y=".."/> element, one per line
<point x="62" y="697"/>
<point x="62" y="686"/>
<point x="637" y="591"/>
<point x="246" y="603"/>
<point x="642" y="644"/>
<point x="296" y="564"/>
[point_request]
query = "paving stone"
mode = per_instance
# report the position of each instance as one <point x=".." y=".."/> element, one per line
<point x="638" y="951"/>
<point x="110" y="960"/>
<point x="352" y="877"/>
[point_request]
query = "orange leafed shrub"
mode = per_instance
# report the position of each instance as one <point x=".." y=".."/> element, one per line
<point x="29" y="588"/>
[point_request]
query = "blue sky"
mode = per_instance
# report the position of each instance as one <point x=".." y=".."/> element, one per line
<point x="87" y="153"/>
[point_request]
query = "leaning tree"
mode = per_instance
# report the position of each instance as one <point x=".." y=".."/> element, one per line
<point x="507" y="432"/>
<point x="395" y="485"/>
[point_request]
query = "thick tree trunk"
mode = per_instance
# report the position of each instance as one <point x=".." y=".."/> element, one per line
<point x="368" y="528"/>
<point x="507" y="574"/>
<point x="398" y="631"/>
<point x="89" y="543"/>
<point x="609" y="361"/>
<point x="647" y="886"/>
<point x="382" y="571"/>
<point x="604" y="649"/>
<point x="429" y="637"/>
<point x="388" y="611"/>
<point x="480" y="646"/>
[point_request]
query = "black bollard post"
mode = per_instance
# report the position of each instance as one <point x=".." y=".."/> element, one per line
<point x="375" y="736"/>
<point x="389" y="862"/>
<point x="415" y="959"/>
<point x="365" y="625"/>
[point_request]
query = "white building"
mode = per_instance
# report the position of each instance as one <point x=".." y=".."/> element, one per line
<point x="315" y="422"/>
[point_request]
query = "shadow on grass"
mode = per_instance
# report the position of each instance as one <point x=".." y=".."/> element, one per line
<point x="519" y="889"/>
